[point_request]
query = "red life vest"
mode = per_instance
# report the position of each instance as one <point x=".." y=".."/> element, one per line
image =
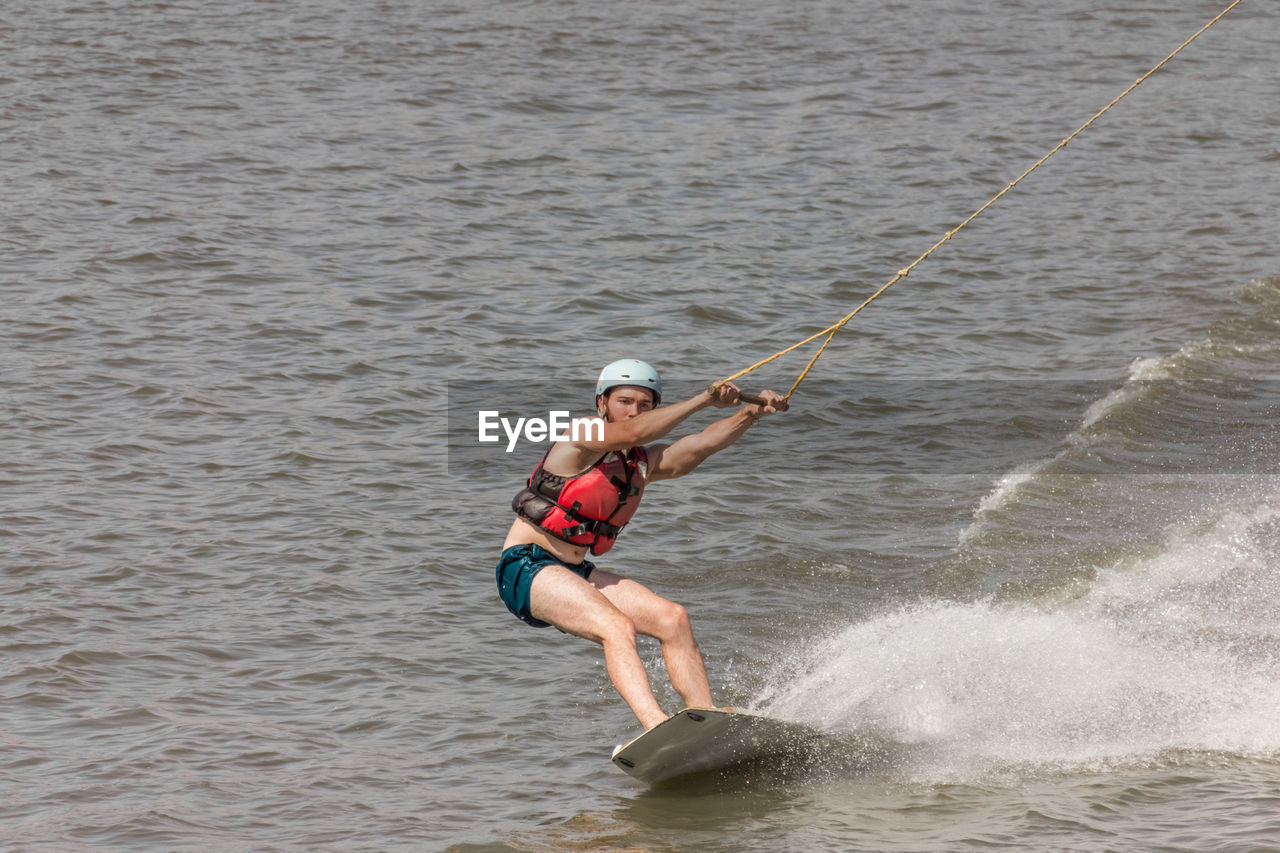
<point x="590" y="508"/>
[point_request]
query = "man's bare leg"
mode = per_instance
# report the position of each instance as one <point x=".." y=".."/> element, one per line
<point x="564" y="599"/>
<point x="687" y="671"/>
<point x="669" y="623"/>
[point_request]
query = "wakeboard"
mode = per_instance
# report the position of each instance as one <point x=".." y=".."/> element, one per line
<point x="697" y="740"/>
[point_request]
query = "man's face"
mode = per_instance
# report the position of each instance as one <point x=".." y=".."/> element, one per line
<point x="624" y="402"/>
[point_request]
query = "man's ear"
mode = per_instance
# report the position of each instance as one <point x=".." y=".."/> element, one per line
<point x="601" y="399"/>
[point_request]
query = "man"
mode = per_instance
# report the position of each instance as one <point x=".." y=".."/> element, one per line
<point x="581" y="495"/>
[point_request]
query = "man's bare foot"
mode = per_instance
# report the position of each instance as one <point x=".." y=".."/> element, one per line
<point x="652" y="722"/>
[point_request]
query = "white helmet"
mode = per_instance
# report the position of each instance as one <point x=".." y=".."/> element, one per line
<point x="629" y="371"/>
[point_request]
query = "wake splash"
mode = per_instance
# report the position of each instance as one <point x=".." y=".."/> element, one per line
<point x="1176" y="650"/>
<point x="1128" y="592"/>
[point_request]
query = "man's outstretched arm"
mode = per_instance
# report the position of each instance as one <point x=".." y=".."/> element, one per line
<point x="683" y="456"/>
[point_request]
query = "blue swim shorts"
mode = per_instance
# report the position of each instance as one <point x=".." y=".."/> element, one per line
<point x="516" y="570"/>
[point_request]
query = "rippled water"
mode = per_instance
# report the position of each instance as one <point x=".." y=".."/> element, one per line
<point x="1013" y="547"/>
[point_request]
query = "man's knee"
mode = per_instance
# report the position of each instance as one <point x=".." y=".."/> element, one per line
<point x="675" y="621"/>
<point x="619" y="628"/>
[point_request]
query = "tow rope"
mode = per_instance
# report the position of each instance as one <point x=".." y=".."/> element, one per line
<point x="830" y="331"/>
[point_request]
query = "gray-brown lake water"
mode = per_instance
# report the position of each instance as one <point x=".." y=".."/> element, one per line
<point x="1015" y="546"/>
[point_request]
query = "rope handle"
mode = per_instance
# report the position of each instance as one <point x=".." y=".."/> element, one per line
<point x="714" y="387"/>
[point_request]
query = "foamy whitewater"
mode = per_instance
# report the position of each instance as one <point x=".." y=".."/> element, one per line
<point x="1112" y="646"/>
<point x="1176" y="650"/>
